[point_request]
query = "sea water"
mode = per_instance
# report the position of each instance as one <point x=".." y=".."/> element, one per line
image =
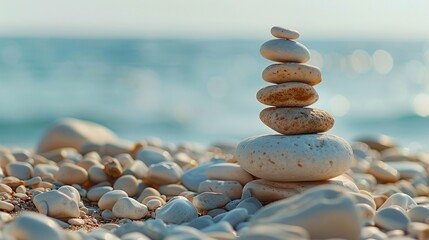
<point x="204" y="91"/>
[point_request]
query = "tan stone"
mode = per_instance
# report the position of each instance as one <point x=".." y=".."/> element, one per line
<point x="291" y="94"/>
<point x="284" y="33"/>
<point x="289" y="121"/>
<point x="283" y="50"/>
<point x="292" y="72"/>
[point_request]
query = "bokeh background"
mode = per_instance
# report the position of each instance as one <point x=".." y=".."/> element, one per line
<point x="188" y="71"/>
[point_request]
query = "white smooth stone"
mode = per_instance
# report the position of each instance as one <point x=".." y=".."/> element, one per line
<point x="128" y="184"/>
<point x="309" y="157"/>
<point x="70" y="173"/>
<point x="383" y="172"/>
<point x="177" y="211"/>
<point x="138" y="169"/>
<point x="153" y="204"/>
<point x="192" y="178"/>
<point x="210" y="200"/>
<point x="401" y="200"/>
<point x="108" y="200"/>
<point x="71" y="192"/>
<point x="392" y="218"/>
<point x="367" y="214"/>
<point x="74" y="133"/>
<point x="228" y="172"/>
<point x="419" y="213"/>
<point x="94" y="194"/>
<point x="273" y="232"/>
<point x="153" y="155"/>
<point x="57" y="204"/>
<point x="45" y="170"/>
<point x="284" y="33"/>
<point x="408" y="170"/>
<point x="96" y="174"/>
<point x="330" y="203"/>
<point x="21" y="170"/>
<point x="172" y="189"/>
<point x="269" y="191"/>
<point x="33" y="226"/>
<point x="165" y="173"/>
<point x="129" y="208"/>
<point x="6" y="206"/>
<point x="5" y="188"/>
<point x="282" y="50"/>
<point x="149" y="191"/>
<point x="76" y="221"/>
<point x="232" y="189"/>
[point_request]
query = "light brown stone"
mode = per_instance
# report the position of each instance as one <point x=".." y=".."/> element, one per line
<point x="292" y="72"/>
<point x="291" y="94"/>
<point x="283" y="50"/>
<point x="289" y="121"/>
<point x="284" y="33"/>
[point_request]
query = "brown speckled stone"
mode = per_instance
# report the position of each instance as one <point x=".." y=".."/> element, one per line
<point x="291" y="94"/>
<point x="292" y="72"/>
<point x="289" y="121"/>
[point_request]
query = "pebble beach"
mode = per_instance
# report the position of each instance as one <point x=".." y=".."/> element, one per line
<point x="83" y="182"/>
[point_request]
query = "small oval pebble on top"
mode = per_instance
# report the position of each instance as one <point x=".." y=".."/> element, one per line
<point x="284" y="33"/>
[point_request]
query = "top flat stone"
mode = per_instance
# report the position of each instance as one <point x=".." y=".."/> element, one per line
<point x="283" y="50"/>
<point x="284" y="33"/>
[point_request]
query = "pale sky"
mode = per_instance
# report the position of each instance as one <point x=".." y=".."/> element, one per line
<point x="317" y="19"/>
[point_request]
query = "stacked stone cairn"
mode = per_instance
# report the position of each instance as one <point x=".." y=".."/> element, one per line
<point x="302" y="155"/>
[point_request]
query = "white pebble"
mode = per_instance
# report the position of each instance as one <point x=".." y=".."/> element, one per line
<point x="177" y="211"/>
<point x="129" y="208"/>
<point x="109" y="199"/>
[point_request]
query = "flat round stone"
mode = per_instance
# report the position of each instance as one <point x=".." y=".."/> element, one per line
<point x="282" y="158"/>
<point x="284" y="33"/>
<point x="292" y="72"/>
<point x="289" y="121"/>
<point x="282" y="50"/>
<point x="291" y="94"/>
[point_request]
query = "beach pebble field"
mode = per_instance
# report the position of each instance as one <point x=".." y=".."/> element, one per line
<point x="82" y="182"/>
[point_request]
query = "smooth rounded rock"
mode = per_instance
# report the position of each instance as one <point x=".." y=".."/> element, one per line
<point x="94" y="194"/>
<point x="228" y="172"/>
<point x="129" y="208"/>
<point x="401" y="200"/>
<point x="45" y="170"/>
<point x="6" y="206"/>
<point x="96" y="174"/>
<point x="192" y="178"/>
<point x="33" y="226"/>
<point x="392" y="218"/>
<point x="281" y="158"/>
<point x="290" y="94"/>
<point x="70" y="173"/>
<point x="282" y="50"/>
<point x="418" y="213"/>
<point x="153" y="155"/>
<point x="383" y="172"/>
<point x="177" y="211"/>
<point x="269" y="191"/>
<point x="164" y="173"/>
<point x="232" y="189"/>
<point x="74" y="133"/>
<point x="127" y="183"/>
<point x="57" y="204"/>
<point x="252" y="205"/>
<point x="21" y="170"/>
<point x="408" y="170"/>
<point x="108" y="200"/>
<point x="290" y="121"/>
<point x="210" y="200"/>
<point x="292" y="72"/>
<point x="325" y="212"/>
<point x="284" y="33"/>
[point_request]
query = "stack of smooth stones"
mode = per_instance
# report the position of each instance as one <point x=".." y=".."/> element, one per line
<point x="302" y="153"/>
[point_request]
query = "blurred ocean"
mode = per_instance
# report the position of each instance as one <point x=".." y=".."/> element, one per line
<point x="204" y="91"/>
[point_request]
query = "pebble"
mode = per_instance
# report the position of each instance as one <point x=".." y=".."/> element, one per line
<point x="282" y="50"/>
<point x="392" y="218"/>
<point x="235" y="216"/>
<point x="418" y="230"/>
<point x="112" y="167"/>
<point x="373" y="233"/>
<point x="94" y="194"/>
<point x="367" y="214"/>
<point x="76" y="221"/>
<point x="221" y="226"/>
<point x="292" y="72"/>
<point x="127" y="183"/>
<point x="228" y="172"/>
<point x="56" y="204"/>
<point x="408" y="170"/>
<point x="274" y="232"/>
<point x="149" y="191"/>
<point x="70" y="173"/>
<point x="215" y="212"/>
<point x="129" y="208"/>
<point x="108" y="200"/>
<point x="284" y="33"/>
<point x="153" y="155"/>
<point x="232" y="189"/>
<point x="289" y="121"/>
<point x="73" y="133"/>
<point x="107" y="214"/>
<point x="192" y="178"/>
<point x="418" y="213"/>
<point x="329" y="203"/>
<point x="177" y="211"/>
<point x="210" y="200"/>
<point x="137" y="169"/>
<point x="32" y="181"/>
<point x="172" y="189"/>
<point x="21" y="189"/>
<point x="6" y="206"/>
<point x="5" y="188"/>
<point x="269" y="191"/>
<point x="154" y="204"/>
<point x="252" y="205"/>
<point x="290" y="94"/>
<point x="21" y="170"/>
<point x="5" y="159"/>
<point x="96" y="174"/>
<point x="378" y="143"/>
<point x="232" y="204"/>
<point x="45" y="170"/>
<point x="33" y="226"/>
<point x="401" y="200"/>
<point x="201" y="222"/>
<point x="164" y="173"/>
<point x="309" y="157"/>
